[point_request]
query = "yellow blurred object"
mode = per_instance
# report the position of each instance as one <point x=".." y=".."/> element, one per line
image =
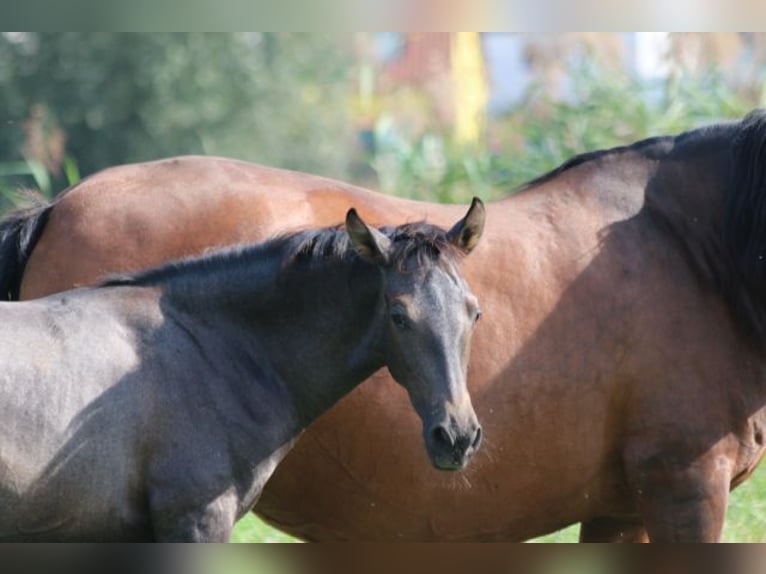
<point x="470" y="86"/>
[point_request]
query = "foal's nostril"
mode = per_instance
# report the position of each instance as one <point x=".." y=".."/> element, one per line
<point x="477" y="439"/>
<point x="442" y="437"/>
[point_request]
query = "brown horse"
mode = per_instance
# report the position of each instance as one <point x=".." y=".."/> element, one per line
<point x="619" y="370"/>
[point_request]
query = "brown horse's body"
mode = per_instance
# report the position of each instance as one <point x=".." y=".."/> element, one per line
<point x="616" y="387"/>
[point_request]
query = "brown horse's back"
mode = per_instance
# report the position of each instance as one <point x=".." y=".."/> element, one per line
<point x="133" y="216"/>
<point x="614" y="383"/>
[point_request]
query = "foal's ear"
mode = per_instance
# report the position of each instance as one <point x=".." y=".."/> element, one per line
<point x="368" y="241"/>
<point x="467" y="232"/>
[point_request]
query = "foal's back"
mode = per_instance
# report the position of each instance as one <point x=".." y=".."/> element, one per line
<point x="75" y="394"/>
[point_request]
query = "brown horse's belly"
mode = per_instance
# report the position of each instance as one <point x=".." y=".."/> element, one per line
<point x="360" y="473"/>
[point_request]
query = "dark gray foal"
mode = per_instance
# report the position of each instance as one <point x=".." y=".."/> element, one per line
<point x="156" y="406"/>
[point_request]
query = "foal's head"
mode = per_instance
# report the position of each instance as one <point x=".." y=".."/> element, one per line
<point x="430" y="314"/>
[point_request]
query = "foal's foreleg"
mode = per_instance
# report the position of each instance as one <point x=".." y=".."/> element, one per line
<point x="211" y="523"/>
<point x="681" y="501"/>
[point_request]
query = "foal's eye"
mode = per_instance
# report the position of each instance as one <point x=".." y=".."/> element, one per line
<point x="400" y="321"/>
<point x="477" y="317"/>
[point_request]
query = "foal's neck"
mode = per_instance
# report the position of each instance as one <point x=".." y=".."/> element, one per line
<point x="317" y="327"/>
<point x="332" y="341"/>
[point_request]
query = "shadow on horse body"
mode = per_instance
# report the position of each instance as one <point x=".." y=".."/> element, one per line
<point x="618" y="370"/>
<point x="156" y="406"/>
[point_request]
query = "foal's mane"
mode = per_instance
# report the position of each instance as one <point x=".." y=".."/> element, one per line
<point x="426" y="244"/>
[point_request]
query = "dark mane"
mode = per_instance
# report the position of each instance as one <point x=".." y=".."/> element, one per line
<point x="744" y="223"/>
<point x="729" y="249"/>
<point x="427" y="243"/>
<point x="715" y="209"/>
<point x="652" y="147"/>
<point x="590" y="156"/>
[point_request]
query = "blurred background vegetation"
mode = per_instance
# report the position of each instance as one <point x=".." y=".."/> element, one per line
<point x="437" y="116"/>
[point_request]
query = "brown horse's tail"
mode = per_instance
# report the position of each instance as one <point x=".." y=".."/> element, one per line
<point x="19" y="232"/>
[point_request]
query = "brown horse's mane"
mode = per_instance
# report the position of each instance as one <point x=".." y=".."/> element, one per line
<point x="654" y="147"/>
<point x="426" y="243"/>
<point x="743" y="230"/>
<point x="590" y="156"/>
<point x="730" y="250"/>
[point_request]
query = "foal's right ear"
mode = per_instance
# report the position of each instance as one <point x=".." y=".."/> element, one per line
<point x="466" y="233"/>
<point x="368" y="241"/>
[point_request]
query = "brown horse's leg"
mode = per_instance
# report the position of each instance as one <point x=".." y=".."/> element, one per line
<point x="681" y="502"/>
<point x="613" y="530"/>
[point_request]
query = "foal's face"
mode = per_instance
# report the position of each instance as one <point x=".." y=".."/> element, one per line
<point x="430" y="316"/>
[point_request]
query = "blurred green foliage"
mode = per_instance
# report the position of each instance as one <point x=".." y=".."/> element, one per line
<point x="603" y="110"/>
<point x="113" y="98"/>
<point x="74" y="103"/>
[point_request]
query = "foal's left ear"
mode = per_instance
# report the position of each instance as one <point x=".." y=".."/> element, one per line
<point x="467" y="232"/>
<point x="368" y="241"/>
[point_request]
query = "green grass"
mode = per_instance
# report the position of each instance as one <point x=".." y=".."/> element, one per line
<point x="746" y="519"/>
<point x="253" y="529"/>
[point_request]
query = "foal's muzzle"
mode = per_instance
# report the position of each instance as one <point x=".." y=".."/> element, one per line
<point x="450" y="445"/>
